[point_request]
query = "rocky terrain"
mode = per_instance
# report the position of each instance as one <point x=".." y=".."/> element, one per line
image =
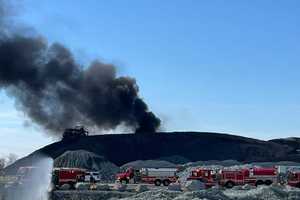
<point x="148" y="163"/>
<point x="261" y="193"/>
<point x="236" y="193"/>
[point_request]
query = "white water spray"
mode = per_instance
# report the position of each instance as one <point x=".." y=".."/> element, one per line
<point x="34" y="183"/>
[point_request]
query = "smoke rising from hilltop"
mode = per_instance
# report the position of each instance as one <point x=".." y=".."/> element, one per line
<point x="56" y="92"/>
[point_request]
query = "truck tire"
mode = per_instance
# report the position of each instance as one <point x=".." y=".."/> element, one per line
<point x="298" y="185"/>
<point x="157" y="182"/>
<point x="65" y="186"/>
<point x="268" y="182"/>
<point x="81" y="178"/>
<point x="166" y="182"/>
<point x="72" y="185"/>
<point x="229" y="184"/>
<point x="259" y="182"/>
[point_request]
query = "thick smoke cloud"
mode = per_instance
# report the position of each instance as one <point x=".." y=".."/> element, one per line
<point x="56" y="92"/>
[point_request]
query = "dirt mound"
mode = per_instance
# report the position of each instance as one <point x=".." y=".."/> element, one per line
<point x="192" y="146"/>
<point x="87" y="160"/>
<point x="177" y="147"/>
<point x="149" y="164"/>
<point x="175" y="159"/>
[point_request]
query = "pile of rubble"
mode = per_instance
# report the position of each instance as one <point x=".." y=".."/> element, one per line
<point x="237" y="193"/>
<point x="190" y="190"/>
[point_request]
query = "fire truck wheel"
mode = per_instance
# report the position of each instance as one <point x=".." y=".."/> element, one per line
<point x="259" y="182"/>
<point x="268" y="182"/>
<point x="229" y="184"/>
<point x="298" y="185"/>
<point x="166" y="182"/>
<point x="72" y="186"/>
<point x="157" y="182"/>
<point x="65" y="186"/>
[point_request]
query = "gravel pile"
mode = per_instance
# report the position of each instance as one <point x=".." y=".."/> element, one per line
<point x="150" y="164"/>
<point x="176" y="159"/>
<point x="89" y="195"/>
<point x="193" y="185"/>
<point x="264" y="193"/>
<point x="155" y="195"/>
<point x="224" y="163"/>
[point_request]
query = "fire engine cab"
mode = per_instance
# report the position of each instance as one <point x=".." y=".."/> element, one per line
<point x="207" y="176"/>
<point x="293" y="179"/>
<point x="252" y="176"/>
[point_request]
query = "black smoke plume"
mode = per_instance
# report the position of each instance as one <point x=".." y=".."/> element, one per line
<point x="56" y="92"/>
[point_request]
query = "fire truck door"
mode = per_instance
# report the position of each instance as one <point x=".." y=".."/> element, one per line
<point x="240" y="178"/>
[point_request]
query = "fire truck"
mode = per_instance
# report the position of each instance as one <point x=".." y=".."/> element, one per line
<point x="207" y="176"/>
<point x="293" y="178"/>
<point x="155" y="176"/>
<point x="70" y="176"/>
<point x="252" y="176"/>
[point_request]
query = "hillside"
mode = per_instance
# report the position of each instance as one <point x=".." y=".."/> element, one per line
<point x="192" y="146"/>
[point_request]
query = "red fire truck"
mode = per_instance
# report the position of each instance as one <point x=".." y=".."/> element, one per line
<point x="207" y="176"/>
<point x="252" y="176"/>
<point x="293" y="179"/>
<point x="157" y="176"/>
<point x="69" y="176"/>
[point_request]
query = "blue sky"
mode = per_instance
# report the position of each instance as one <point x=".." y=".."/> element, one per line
<point x="222" y="66"/>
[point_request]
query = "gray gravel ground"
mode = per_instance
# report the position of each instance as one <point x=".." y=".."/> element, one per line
<point x="162" y="193"/>
<point x="261" y="193"/>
